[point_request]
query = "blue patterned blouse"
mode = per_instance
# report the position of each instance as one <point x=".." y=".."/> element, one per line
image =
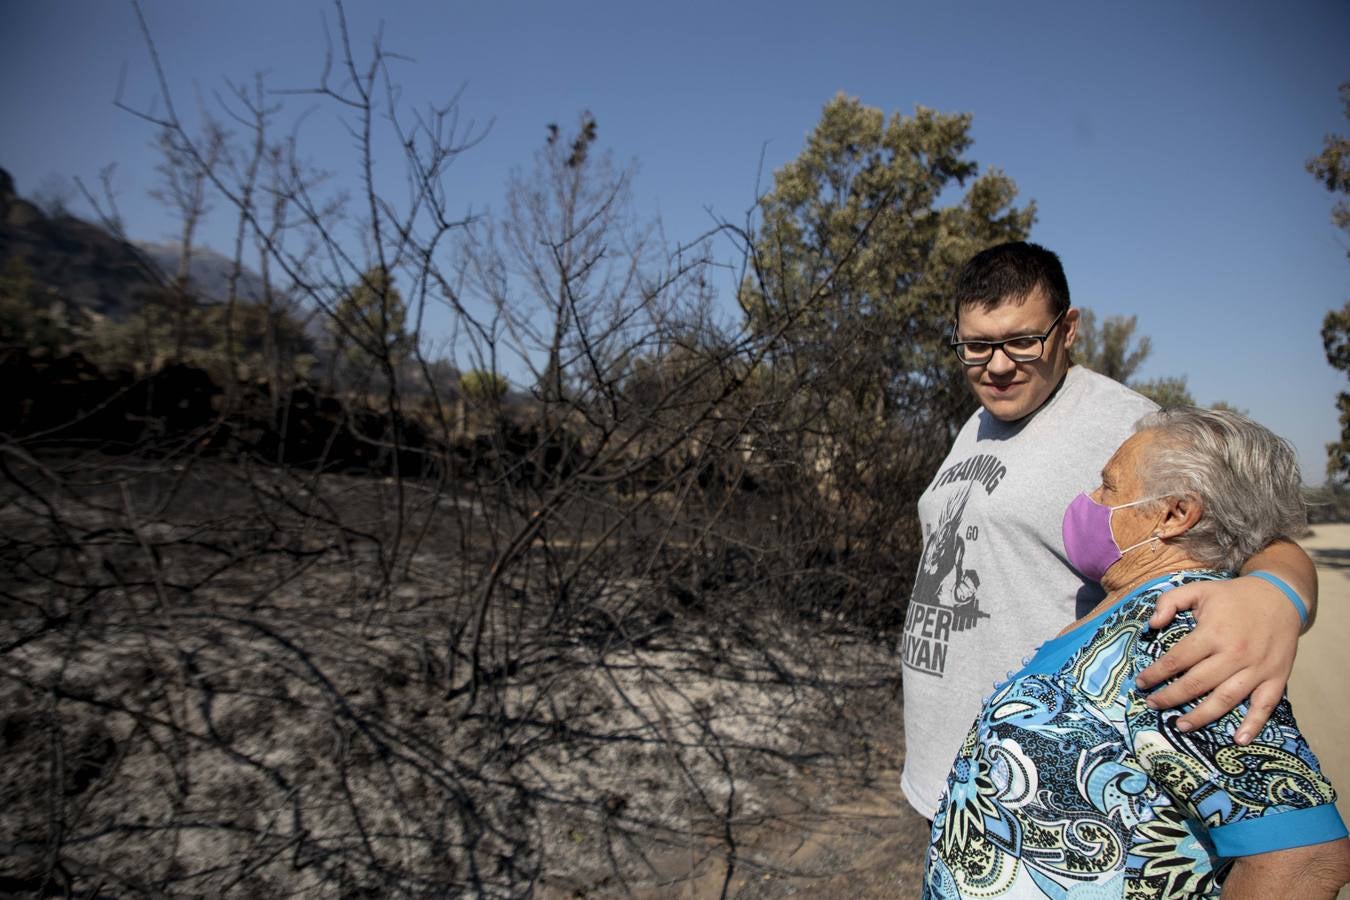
<point x="1069" y="786"/>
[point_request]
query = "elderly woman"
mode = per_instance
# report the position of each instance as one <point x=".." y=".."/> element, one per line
<point x="1069" y="785"/>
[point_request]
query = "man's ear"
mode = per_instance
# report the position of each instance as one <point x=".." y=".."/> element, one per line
<point x="1180" y="515"/>
<point x="1070" y="326"/>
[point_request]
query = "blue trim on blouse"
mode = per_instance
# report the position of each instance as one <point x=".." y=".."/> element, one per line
<point x="1281" y="831"/>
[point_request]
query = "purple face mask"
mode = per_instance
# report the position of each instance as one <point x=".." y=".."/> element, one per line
<point x="1088" y="541"/>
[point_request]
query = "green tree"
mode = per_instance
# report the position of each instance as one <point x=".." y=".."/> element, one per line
<point x="1111" y="348"/>
<point x="856" y="252"/>
<point x="850" y="300"/>
<point x="367" y="327"/>
<point x="26" y="317"/>
<point x="268" y="341"/>
<point x="1332" y="168"/>
<point x="1166" y="391"/>
<point x="1336" y="341"/>
<point x="1106" y="348"/>
<point x="481" y="386"/>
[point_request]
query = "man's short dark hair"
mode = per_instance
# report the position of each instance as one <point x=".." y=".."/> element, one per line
<point x="1011" y="271"/>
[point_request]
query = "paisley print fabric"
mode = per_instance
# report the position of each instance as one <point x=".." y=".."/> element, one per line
<point x="1068" y="786"/>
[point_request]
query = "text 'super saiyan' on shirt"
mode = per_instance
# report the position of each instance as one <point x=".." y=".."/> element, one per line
<point x="1068" y="782"/>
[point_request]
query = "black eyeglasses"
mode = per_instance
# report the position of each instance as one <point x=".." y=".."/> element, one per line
<point x="1023" y="348"/>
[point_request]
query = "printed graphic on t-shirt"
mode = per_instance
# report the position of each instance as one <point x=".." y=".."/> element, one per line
<point x="946" y="588"/>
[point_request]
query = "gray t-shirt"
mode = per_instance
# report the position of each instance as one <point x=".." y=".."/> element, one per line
<point x="993" y="582"/>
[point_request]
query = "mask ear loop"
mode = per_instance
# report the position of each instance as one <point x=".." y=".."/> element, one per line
<point x="1155" y="541"/>
<point x="1157" y="538"/>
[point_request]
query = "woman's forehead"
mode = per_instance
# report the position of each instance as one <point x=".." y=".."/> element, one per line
<point x="1129" y="454"/>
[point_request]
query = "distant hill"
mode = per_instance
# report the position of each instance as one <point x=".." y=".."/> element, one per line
<point x="95" y="271"/>
<point x="75" y="260"/>
<point x="99" y="281"/>
<point x="209" y="273"/>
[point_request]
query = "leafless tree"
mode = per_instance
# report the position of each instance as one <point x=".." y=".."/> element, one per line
<point x="184" y="177"/>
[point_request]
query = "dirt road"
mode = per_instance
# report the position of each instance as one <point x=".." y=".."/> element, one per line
<point x="1318" y="688"/>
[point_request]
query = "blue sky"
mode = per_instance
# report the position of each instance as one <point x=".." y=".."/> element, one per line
<point x="1163" y="143"/>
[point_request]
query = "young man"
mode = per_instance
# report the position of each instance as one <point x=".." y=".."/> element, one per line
<point x="992" y="532"/>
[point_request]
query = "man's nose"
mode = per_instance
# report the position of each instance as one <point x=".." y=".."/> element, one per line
<point x="1000" y="363"/>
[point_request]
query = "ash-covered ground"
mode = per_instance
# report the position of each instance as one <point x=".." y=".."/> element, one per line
<point x="223" y="681"/>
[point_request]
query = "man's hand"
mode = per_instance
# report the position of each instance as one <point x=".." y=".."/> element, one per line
<point x="1243" y="646"/>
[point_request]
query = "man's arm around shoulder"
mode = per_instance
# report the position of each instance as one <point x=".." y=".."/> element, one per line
<point x="1244" y="643"/>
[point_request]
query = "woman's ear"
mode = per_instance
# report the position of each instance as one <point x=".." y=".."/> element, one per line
<point x="1180" y="515"/>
